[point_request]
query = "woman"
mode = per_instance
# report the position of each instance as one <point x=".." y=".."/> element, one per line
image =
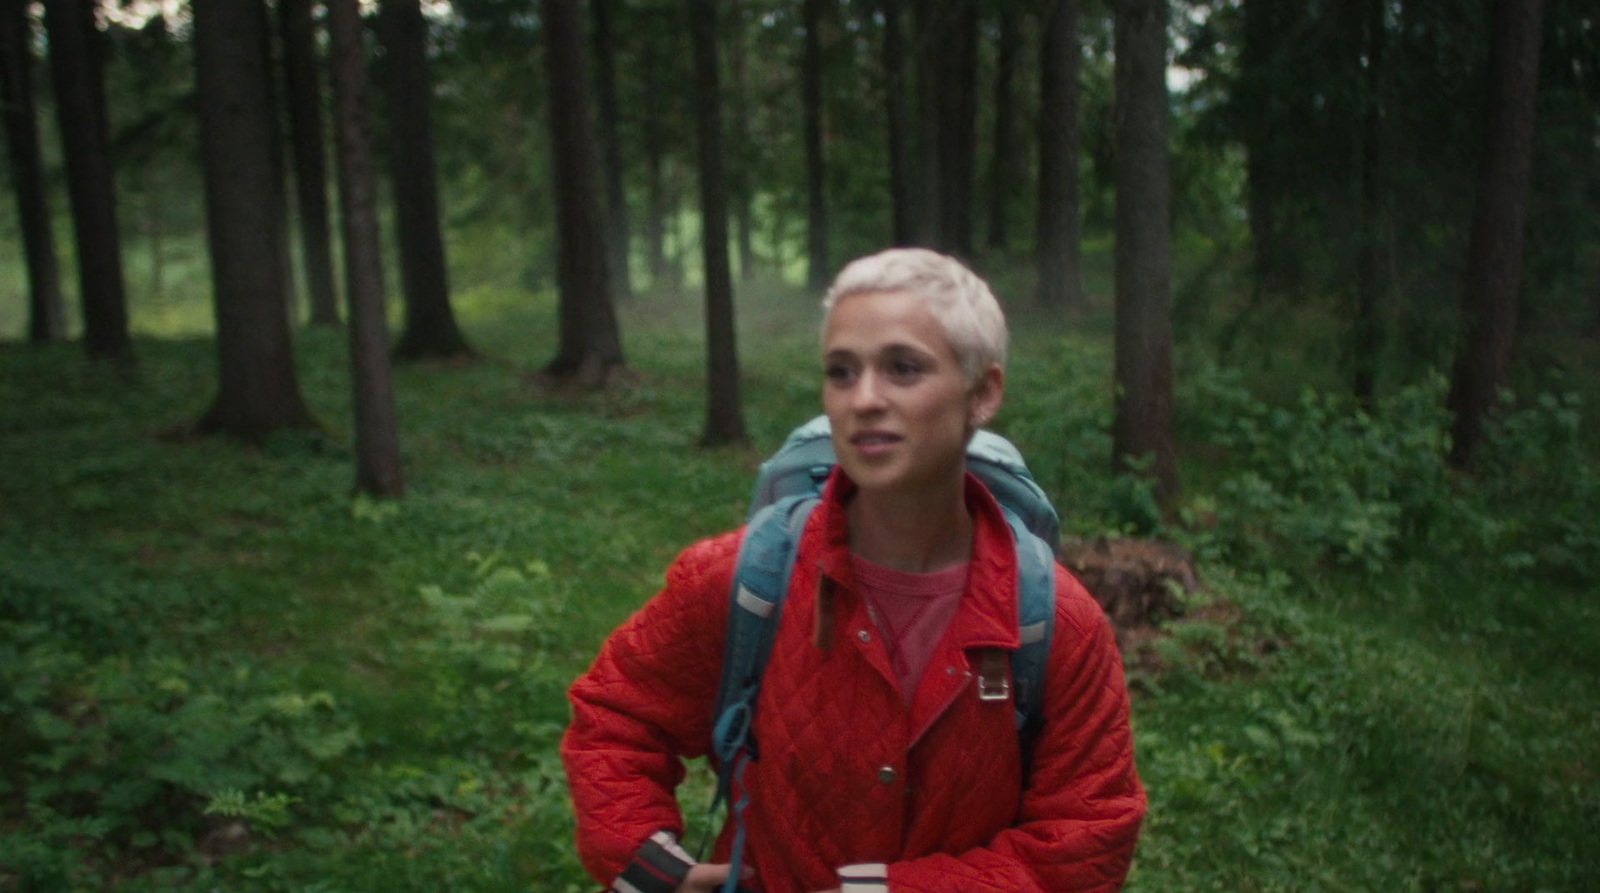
<point x="880" y="768"/>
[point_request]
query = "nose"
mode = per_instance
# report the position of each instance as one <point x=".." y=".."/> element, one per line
<point x="868" y="393"/>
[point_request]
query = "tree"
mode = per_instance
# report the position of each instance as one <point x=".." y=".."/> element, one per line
<point x="589" y="347"/>
<point x="900" y="170"/>
<point x="1494" y="251"/>
<point x="816" y="172"/>
<point x="245" y="227"/>
<point x="298" y="36"/>
<point x="1057" y="235"/>
<point x="740" y="149"/>
<point x="430" y="329"/>
<point x="1268" y="37"/>
<point x="1142" y="427"/>
<point x="1367" y="332"/>
<point x="378" y="470"/>
<point x="654" y="134"/>
<point x="1003" y="160"/>
<point x="46" y="315"/>
<point x="724" y="418"/>
<point x="91" y="183"/>
<point x="617" y="239"/>
<point x="947" y="75"/>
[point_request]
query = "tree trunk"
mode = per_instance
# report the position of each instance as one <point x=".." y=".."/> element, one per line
<point x="47" y="319"/>
<point x="816" y="172"/>
<point x="303" y="85"/>
<point x="589" y="347"/>
<point x="1142" y="428"/>
<point x="652" y="132"/>
<point x="1367" y="333"/>
<point x="91" y="180"/>
<point x="1494" y="250"/>
<point x="894" y="85"/>
<point x="258" y="391"/>
<point x="431" y="330"/>
<point x="617" y="237"/>
<point x="724" y="417"/>
<point x="1057" y="235"/>
<point x="378" y="470"/>
<point x="948" y="75"/>
<point x="1277" y="268"/>
<point x="739" y="150"/>
<point x="1001" y="164"/>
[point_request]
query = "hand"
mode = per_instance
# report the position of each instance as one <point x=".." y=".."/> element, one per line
<point x="708" y="877"/>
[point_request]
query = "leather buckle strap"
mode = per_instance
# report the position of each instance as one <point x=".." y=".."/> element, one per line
<point x="994" y="675"/>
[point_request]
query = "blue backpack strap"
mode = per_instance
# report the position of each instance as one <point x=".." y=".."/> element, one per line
<point x="760" y="584"/>
<point x="1036" y="607"/>
<point x="997" y="462"/>
<point x="800" y="466"/>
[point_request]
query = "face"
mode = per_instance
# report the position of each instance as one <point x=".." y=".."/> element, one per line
<point x="900" y="407"/>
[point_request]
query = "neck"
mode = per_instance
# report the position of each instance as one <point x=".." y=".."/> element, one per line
<point x="913" y="532"/>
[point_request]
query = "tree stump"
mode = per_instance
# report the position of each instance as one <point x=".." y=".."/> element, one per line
<point x="1138" y="582"/>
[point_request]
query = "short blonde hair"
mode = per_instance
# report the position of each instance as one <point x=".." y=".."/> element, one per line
<point x="957" y="297"/>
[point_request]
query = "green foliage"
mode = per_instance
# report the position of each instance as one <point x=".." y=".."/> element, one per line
<point x="1535" y="473"/>
<point x="1321" y="484"/>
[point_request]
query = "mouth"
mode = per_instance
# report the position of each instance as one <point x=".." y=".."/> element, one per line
<point x="871" y="443"/>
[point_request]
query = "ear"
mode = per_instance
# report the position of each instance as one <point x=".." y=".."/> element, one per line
<point x="985" y="396"/>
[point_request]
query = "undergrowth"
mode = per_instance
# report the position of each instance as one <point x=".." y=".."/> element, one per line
<point x="219" y="671"/>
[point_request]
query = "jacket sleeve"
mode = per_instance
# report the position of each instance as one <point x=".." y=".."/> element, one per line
<point x="643" y="707"/>
<point x="1081" y="811"/>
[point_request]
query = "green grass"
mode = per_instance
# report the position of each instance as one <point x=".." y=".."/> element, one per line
<point x="218" y="670"/>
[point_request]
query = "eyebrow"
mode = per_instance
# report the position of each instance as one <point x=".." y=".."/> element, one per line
<point x="894" y="347"/>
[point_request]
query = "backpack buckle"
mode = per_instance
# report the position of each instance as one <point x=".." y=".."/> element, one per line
<point x="994" y="677"/>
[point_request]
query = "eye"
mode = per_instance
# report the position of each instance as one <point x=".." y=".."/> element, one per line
<point x="904" y="369"/>
<point x="838" y="373"/>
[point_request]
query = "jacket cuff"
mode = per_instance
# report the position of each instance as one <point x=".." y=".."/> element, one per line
<point x="659" y="866"/>
<point x="867" y="877"/>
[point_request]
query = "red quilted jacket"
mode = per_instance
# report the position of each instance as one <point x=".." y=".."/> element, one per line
<point x="848" y="773"/>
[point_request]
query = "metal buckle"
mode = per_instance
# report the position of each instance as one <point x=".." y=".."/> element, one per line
<point x="994" y="677"/>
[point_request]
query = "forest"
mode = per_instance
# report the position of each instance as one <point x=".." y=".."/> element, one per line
<point x="363" y="363"/>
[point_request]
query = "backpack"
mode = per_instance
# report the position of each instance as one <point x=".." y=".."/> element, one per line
<point x="788" y="486"/>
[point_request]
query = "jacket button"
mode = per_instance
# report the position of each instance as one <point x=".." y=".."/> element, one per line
<point x="887" y="775"/>
<point x="863" y="635"/>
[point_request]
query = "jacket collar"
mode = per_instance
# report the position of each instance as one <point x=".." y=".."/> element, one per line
<point x="988" y="614"/>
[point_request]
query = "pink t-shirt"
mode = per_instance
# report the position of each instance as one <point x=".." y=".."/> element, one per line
<point x="912" y="611"/>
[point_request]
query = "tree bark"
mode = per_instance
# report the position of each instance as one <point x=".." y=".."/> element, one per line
<point x="430" y="330"/>
<point x="1367" y="331"/>
<point x="1002" y="162"/>
<point x="739" y="146"/>
<point x="1494" y="249"/>
<point x="303" y="85"/>
<point x="948" y="79"/>
<point x="91" y="179"/>
<point x="653" y="135"/>
<point x="894" y="85"/>
<point x="1142" y="427"/>
<point x="589" y="347"/>
<point x="816" y="171"/>
<point x="258" y="392"/>
<point x="1277" y="268"/>
<point x="617" y="236"/>
<point x="1058" y="237"/>
<point x="378" y="471"/>
<point x="47" y="319"/>
<point x="724" y="417"/>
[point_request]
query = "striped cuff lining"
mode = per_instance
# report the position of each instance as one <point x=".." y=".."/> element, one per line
<point x="658" y="867"/>
<point x="869" y="877"/>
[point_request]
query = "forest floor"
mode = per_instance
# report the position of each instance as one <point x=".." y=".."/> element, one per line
<point x="221" y="671"/>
